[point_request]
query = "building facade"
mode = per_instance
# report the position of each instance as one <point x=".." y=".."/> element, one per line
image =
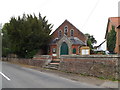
<point x="66" y="40"/>
<point x="114" y="21"/>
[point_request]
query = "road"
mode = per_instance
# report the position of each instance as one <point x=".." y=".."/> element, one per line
<point x="16" y="76"/>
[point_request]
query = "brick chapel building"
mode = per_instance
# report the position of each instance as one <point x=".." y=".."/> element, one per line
<point x="114" y="21"/>
<point x="66" y="40"/>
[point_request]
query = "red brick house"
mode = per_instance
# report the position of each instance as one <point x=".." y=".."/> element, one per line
<point x="114" y="21"/>
<point x="66" y="40"/>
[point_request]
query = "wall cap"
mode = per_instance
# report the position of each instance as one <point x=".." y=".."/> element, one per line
<point x="90" y="56"/>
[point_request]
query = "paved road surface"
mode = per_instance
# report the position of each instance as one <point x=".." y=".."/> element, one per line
<point x="16" y="76"/>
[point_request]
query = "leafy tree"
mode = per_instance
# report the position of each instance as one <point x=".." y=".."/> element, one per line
<point x="90" y="40"/>
<point x="27" y="35"/>
<point x="111" y="40"/>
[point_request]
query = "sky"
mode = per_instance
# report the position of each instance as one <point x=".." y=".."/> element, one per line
<point x="89" y="16"/>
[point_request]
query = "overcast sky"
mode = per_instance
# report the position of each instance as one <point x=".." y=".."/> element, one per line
<point x="89" y="16"/>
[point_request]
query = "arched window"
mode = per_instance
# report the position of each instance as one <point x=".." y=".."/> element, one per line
<point x="59" y="33"/>
<point x="74" y="50"/>
<point x="72" y="32"/>
<point x="65" y="30"/>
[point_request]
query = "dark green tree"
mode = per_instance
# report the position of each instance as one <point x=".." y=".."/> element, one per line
<point x="111" y="40"/>
<point x="5" y="42"/>
<point x="27" y="35"/>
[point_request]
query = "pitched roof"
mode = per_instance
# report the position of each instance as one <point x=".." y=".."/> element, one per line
<point x="70" y="24"/>
<point x="74" y="40"/>
<point x="115" y="22"/>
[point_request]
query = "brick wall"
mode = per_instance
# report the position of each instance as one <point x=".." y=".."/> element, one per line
<point x="77" y="33"/>
<point x="114" y="22"/>
<point x="98" y="66"/>
<point x="77" y="47"/>
<point x="51" y="49"/>
<point x="118" y="37"/>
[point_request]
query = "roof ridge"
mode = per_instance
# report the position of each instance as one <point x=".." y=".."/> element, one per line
<point x="114" y="17"/>
<point x="70" y="24"/>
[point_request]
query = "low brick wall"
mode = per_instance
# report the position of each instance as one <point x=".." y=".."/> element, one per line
<point x="104" y="66"/>
<point x="38" y="61"/>
<point x="45" y="60"/>
<point x="99" y="66"/>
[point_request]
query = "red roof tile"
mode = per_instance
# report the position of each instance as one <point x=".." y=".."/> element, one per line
<point x="115" y="21"/>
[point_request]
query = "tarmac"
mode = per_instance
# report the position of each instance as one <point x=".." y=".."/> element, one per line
<point x="77" y="77"/>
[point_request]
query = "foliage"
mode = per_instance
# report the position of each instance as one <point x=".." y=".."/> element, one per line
<point x="26" y="35"/>
<point x="90" y="41"/>
<point x="5" y="42"/>
<point x="100" y="52"/>
<point x="111" y="40"/>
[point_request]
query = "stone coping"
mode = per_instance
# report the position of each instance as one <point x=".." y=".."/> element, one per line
<point x="90" y="56"/>
<point x="42" y="56"/>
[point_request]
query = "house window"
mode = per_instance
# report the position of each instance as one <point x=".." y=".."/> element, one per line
<point x="74" y="50"/>
<point x="72" y="32"/>
<point x="54" y="50"/>
<point x="59" y="33"/>
<point x="65" y="30"/>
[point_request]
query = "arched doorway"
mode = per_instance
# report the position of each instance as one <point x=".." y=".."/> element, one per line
<point x="64" y="49"/>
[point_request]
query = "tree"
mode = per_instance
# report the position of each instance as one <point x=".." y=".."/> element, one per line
<point x="90" y="40"/>
<point x="27" y="35"/>
<point x="5" y="42"/>
<point x="111" y="40"/>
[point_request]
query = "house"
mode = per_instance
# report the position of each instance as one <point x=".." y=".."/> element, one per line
<point x="114" y="21"/>
<point x="66" y="40"/>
